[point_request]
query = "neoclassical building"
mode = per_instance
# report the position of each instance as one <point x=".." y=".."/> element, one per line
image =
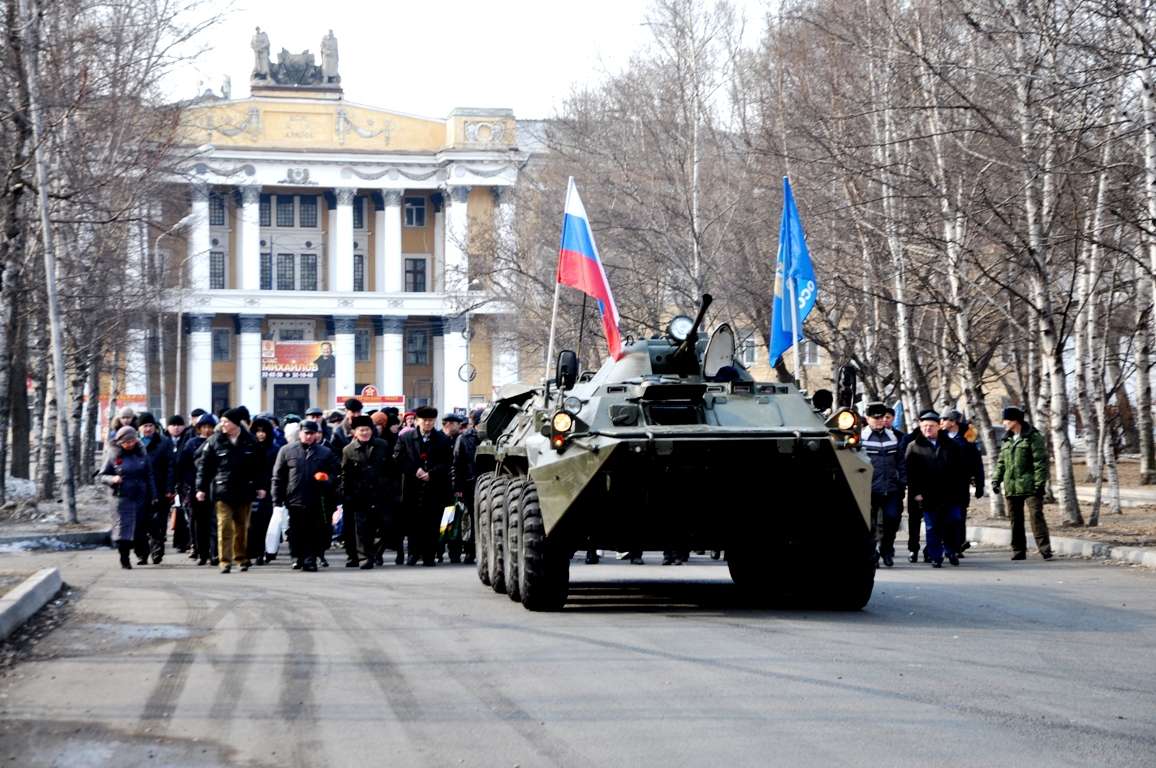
<point x="328" y="248"/>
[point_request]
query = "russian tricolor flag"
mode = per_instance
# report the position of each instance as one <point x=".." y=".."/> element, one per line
<point x="579" y="266"/>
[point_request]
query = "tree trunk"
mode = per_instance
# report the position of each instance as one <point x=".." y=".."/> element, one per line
<point x="1144" y="385"/>
<point x="88" y="436"/>
<point x="46" y="452"/>
<point x="20" y="449"/>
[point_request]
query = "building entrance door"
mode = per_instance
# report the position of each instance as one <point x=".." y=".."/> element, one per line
<point x="290" y="398"/>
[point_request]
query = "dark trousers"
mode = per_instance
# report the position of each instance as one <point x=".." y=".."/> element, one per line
<point x="151" y="531"/>
<point x="942" y="524"/>
<point x="885" y="511"/>
<point x="361" y="525"/>
<point x="204" y="529"/>
<point x="424" y="522"/>
<point x="308" y="531"/>
<point x="182" y="537"/>
<point x="1035" y="506"/>
<point x="259" y="517"/>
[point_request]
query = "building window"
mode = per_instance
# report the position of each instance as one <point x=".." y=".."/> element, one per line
<point x="359" y="272"/>
<point x="415" y="275"/>
<point x="216" y="210"/>
<point x="308" y="272"/>
<point x="417" y="347"/>
<point x="266" y="217"/>
<point x="808" y="352"/>
<point x="415" y="212"/>
<point x="266" y="271"/>
<point x="308" y="205"/>
<point x="748" y="351"/>
<point x="217" y="270"/>
<point x="286" y="267"/>
<point x="220" y="396"/>
<point x="222" y="345"/>
<point x="359" y="213"/>
<point x="284" y="210"/>
<point x="291" y="334"/>
<point x="361" y="346"/>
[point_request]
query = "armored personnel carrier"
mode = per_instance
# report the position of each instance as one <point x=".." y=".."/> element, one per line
<point x="674" y="446"/>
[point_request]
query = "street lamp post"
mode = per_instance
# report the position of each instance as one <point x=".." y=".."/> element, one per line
<point x="184" y="222"/>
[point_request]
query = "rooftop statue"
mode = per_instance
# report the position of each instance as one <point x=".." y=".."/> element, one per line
<point x="298" y="69"/>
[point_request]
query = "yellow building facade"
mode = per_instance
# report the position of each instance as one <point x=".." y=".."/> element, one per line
<point x="328" y="251"/>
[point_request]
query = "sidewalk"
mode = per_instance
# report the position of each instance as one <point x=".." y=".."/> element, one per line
<point x="25" y="524"/>
<point x="1142" y="496"/>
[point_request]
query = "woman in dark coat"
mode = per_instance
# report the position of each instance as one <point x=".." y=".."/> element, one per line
<point x="129" y="473"/>
<point x="262" y="510"/>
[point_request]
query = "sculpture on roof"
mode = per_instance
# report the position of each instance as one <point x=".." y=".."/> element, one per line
<point x="295" y="69"/>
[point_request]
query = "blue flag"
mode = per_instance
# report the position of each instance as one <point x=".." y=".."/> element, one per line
<point x="793" y="270"/>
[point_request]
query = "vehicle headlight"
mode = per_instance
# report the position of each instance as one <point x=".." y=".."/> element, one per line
<point x="845" y="420"/>
<point x="562" y="422"/>
<point x="572" y="404"/>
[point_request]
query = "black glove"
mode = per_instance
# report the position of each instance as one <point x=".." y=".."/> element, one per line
<point x="995" y="488"/>
<point x="979" y="491"/>
<point x="1040" y="493"/>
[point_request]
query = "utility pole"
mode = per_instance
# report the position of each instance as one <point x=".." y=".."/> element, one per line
<point x="31" y="43"/>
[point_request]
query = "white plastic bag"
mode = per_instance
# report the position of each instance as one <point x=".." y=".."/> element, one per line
<point x="276" y="528"/>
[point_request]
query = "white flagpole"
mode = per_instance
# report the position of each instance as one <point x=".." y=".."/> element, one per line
<point x="557" y="285"/>
<point x="795" y="329"/>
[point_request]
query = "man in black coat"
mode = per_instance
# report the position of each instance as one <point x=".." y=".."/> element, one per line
<point x="935" y="476"/>
<point x="150" y="537"/>
<point x="304" y="473"/>
<point x="424" y="456"/>
<point x="465" y="476"/>
<point x="365" y="466"/>
<point x="202" y="523"/>
<point x="230" y="474"/>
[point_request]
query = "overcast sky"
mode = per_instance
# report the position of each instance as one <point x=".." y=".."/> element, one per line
<point x="427" y="58"/>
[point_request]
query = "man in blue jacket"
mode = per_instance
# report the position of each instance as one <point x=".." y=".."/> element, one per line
<point x="888" y="481"/>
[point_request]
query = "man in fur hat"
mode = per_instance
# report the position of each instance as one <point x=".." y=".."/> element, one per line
<point x="424" y="457"/>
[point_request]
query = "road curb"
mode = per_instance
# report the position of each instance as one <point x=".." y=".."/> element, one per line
<point x="1063" y="545"/>
<point x="77" y="540"/>
<point x="20" y="604"/>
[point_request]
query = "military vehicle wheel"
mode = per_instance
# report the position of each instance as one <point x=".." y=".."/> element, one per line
<point x="510" y="550"/>
<point x="497" y="529"/>
<point x="848" y="587"/>
<point x="543" y="568"/>
<point x="482" y="525"/>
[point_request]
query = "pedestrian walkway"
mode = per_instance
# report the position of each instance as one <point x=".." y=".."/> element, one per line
<point x="1129" y="497"/>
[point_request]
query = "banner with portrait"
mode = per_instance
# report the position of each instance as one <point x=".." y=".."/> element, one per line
<point x="297" y="360"/>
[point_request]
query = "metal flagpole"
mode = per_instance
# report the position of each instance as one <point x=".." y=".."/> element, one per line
<point x="557" y="285"/>
<point x="794" y="329"/>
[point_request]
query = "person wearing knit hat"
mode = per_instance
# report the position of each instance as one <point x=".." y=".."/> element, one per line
<point x="202" y="521"/>
<point x="128" y="472"/>
<point x="231" y="474"/>
<point x="261" y="512"/>
<point x="380" y="420"/>
<point x="152" y="530"/>
<point x="1021" y="472"/>
<point x="125" y="417"/>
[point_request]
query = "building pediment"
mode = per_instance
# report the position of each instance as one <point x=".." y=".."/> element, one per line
<point x="320" y="126"/>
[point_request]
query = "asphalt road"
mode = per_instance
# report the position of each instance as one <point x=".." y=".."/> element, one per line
<point x="994" y="663"/>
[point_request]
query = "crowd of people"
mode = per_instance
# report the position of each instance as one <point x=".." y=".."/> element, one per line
<point x="935" y="467"/>
<point x="228" y="486"/>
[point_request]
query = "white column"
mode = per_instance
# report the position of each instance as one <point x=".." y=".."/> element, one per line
<point x="457" y="266"/>
<point x="378" y="251"/>
<point x="454" y="343"/>
<point x="504" y="360"/>
<point x="438" y="268"/>
<point x="199" y="370"/>
<point x="390" y="355"/>
<point x="199" y="242"/>
<point x="344" y="352"/>
<point x="250" y="238"/>
<point x="136" y="369"/>
<point x="248" y="391"/>
<point x="437" y="358"/>
<point x="392" y="241"/>
<point x="331" y="245"/>
<point x="343" y="242"/>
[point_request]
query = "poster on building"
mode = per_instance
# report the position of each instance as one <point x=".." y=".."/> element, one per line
<point x="371" y="399"/>
<point x="297" y="360"/>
